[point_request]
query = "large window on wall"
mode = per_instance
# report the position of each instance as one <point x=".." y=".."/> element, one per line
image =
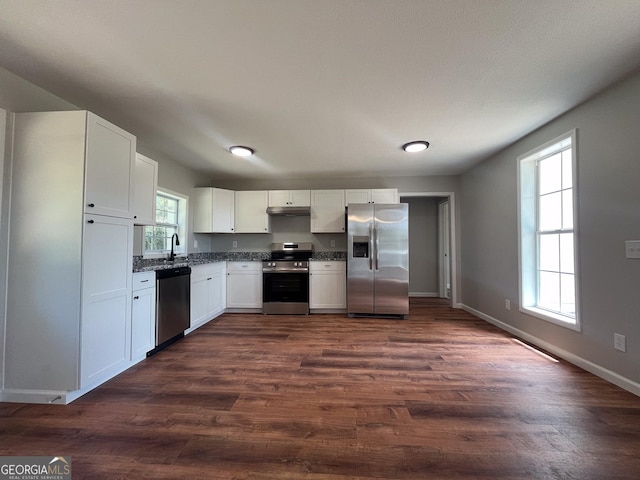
<point x="171" y="218"/>
<point x="548" y="224"/>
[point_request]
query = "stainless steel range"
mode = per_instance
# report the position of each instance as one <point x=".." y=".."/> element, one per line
<point x="285" y="279"/>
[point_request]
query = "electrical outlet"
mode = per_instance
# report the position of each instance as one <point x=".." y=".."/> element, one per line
<point x="333" y="243"/>
<point x="632" y="248"/>
<point x="619" y="342"/>
<point x="507" y="304"/>
<point x="235" y="244"/>
<point x="195" y="244"/>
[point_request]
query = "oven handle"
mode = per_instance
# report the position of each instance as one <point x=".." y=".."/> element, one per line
<point x="288" y="270"/>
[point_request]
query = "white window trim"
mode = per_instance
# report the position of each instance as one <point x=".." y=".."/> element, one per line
<point x="527" y="261"/>
<point x="183" y="205"/>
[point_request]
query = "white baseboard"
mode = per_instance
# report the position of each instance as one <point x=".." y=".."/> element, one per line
<point x="587" y="365"/>
<point x="424" y="294"/>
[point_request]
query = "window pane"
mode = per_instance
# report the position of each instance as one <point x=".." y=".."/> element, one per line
<point x="550" y="213"/>
<point x="567" y="294"/>
<point x="549" y="291"/>
<point x="549" y="258"/>
<point x="550" y="174"/>
<point x="566" y="253"/>
<point x="567" y="209"/>
<point x="567" y="171"/>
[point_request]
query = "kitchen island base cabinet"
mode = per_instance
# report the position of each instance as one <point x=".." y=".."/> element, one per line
<point x="244" y="287"/>
<point x="327" y="287"/>
<point x="208" y="293"/>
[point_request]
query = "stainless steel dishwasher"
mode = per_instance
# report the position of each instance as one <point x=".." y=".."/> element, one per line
<point x="173" y="305"/>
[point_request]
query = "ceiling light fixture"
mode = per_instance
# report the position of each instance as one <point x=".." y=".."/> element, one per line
<point x="417" y="146"/>
<point x="241" y="151"/>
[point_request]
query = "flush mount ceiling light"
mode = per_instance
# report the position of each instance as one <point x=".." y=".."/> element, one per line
<point x="241" y="151"/>
<point x="417" y="146"/>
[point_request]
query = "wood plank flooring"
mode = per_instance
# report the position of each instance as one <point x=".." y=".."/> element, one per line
<point x="440" y="395"/>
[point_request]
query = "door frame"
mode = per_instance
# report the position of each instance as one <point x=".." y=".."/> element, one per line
<point x="451" y="196"/>
<point x="444" y="249"/>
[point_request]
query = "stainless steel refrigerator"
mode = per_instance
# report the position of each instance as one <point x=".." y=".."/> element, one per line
<point x="378" y="259"/>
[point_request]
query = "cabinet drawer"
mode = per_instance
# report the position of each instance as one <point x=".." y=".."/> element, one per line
<point x="235" y="267"/>
<point x="207" y="269"/>
<point x="327" y="266"/>
<point x="144" y="280"/>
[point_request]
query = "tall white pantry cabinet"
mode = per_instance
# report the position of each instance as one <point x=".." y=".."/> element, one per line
<point x="68" y="323"/>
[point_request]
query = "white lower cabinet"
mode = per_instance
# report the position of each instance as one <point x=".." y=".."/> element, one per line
<point x="244" y="285"/>
<point x="106" y="298"/>
<point x="327" y="285"/>
<point x="208" y="287"/>
<point x="143" y="315"/>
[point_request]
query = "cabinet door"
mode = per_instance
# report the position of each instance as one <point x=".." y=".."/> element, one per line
<point x="223" y="210"/>
<point x="327" y="290"/>
<point x="327" y="211"/>
<point x="110" y="169"/>
<point x="384" y="195"/>
<point x="145" y="188"/>
<point x="300" y="198"/>
<point x="106" y="297"/>
<point x="251" y="212"/>
<point x="357" y="196"/>
<point x="217" y="293"/>
<point x="279" y="198"/>
<point x="244" y="290"/>
<point x="199" y="299"/>
<point x="143" y="322"/>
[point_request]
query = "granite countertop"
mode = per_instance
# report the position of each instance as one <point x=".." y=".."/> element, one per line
<point x="141" y="264"/>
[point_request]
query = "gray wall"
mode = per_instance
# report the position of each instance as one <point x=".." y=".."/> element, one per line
<point x="423" y="245"/>
<point x="609" y="213"/>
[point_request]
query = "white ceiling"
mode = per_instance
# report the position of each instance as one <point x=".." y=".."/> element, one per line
<point x="323" y="87"/>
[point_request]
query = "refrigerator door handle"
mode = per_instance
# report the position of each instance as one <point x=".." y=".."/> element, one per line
<point x="371" y="246"/>
<point x="377" y="245"/>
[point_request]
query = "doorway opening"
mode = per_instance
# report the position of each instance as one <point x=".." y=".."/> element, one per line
<point x="432" y="243"/>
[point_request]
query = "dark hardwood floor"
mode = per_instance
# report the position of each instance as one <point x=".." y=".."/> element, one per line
<point x="440" y="395"/>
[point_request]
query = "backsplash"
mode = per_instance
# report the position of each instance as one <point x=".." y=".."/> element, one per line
<point x="141" y="264"/>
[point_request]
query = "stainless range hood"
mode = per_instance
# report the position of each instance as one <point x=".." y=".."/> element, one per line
<point x="289" y="211"/>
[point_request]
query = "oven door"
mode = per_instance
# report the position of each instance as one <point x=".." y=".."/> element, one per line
<point x="285" y="292"/>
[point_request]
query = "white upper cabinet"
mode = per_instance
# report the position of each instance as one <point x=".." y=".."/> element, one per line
<point x="327" y="211"/>
<point x="145" y="188"/>
<point x="289" y="198"/>
<point x="109" y="168"/>
<point x="251" y="212"/>
<point x="213" y="210"/>
<point x="375" y="195"/>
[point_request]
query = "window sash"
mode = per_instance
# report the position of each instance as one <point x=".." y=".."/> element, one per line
<point x="157" y="238"/>
<point x="559" y="267"/>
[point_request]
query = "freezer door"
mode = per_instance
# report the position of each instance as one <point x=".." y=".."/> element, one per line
<point x="360" y="259"/>
<point x="391" y="261"/>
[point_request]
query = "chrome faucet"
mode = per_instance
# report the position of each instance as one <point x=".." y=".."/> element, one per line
<point x="172" y="255"/>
